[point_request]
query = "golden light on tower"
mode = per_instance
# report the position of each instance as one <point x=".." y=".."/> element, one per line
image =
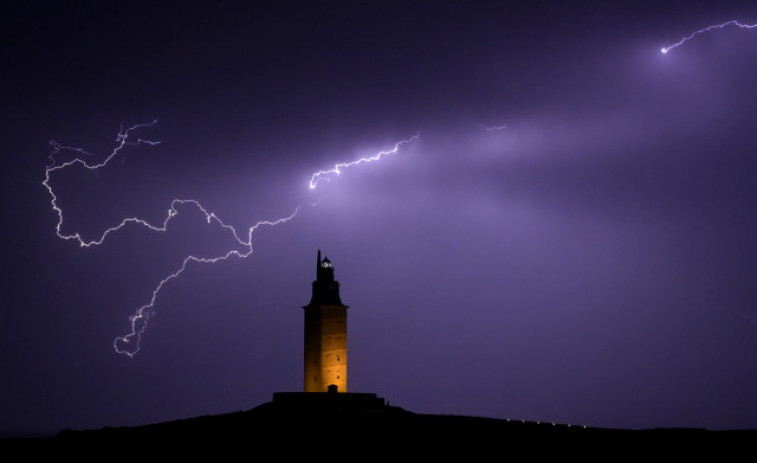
<point x="325" y="333"/>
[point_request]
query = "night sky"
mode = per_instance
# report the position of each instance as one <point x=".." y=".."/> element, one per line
<point x="592" y="263"/>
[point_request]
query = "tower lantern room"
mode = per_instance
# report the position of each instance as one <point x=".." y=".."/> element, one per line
<point x="325" y="333"/>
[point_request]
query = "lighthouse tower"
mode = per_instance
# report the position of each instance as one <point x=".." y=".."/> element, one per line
<point x="325" y="333"/>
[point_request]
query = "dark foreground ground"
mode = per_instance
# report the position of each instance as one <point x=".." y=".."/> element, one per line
<point x="361" y="425"/>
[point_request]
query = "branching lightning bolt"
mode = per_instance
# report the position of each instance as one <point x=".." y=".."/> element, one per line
<point x="492" y="128"/>
<point x="122" y="139"/>
<point x="733" y="22"/>
<point x="326" y="174"/>
<point x="129" y="344"/>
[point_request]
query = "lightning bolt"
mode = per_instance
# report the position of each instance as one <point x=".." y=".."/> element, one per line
<point x="129" y="344"/>
<point x="122" y="140"/>
<point x="733" y="22"/>
<point x="492" y="128"/>
<point x="326" y="174"/>
<point x="744" y="316"/>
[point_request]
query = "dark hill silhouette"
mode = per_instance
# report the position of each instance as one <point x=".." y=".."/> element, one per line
<point x="311" y="424"/>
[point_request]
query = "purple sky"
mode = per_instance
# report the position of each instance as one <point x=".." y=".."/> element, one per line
<point x="593" y="263"/>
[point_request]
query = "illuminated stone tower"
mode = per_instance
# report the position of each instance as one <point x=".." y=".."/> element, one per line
<point x="325" y="333"/>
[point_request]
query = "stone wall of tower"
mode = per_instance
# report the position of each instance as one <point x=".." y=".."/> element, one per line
<point x="325" y="347"/>
<point x="334" y="347"/>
